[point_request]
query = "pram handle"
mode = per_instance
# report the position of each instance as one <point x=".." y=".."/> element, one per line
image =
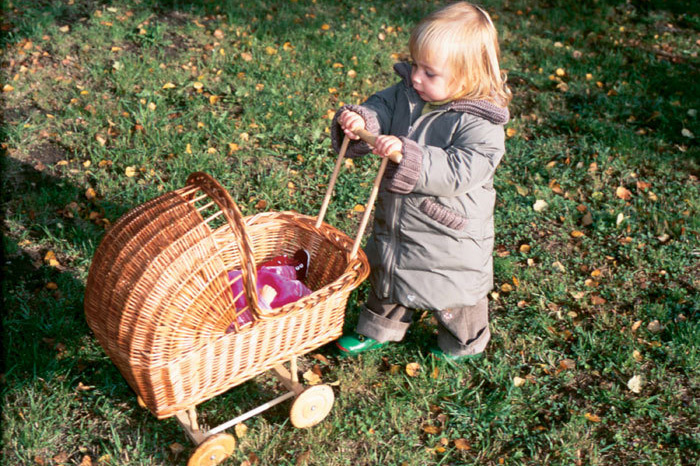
<point x="396" y="157"/>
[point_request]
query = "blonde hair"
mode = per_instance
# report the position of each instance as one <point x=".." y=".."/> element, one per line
<point x="466" y="34"/>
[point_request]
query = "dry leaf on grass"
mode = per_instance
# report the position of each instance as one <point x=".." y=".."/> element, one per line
<point x="412" y="369"/>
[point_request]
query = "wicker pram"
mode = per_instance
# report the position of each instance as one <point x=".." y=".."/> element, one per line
<point x="159" y="301"/>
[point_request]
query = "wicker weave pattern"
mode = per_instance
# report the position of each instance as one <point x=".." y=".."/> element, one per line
<point x="159" y="300"/>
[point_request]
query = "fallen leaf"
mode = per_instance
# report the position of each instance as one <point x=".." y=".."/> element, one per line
<point x="524" y="248"/>
<point x="462" y="444"/>
<point x="325" y="27"/>
<point x="592" y="417"/>
<point x="50" y="259"/>
<point x="7" y="88"/>
<point x="359" y="208"/>
<point x="577" y="234"/>
<point x="86" y="461"/>
<point x="510" y="132"/>
<point x="539" y="205"/>
<point x="90" y="194"/>
<point x="311" y="377"/>
<point x="637" y="356"/>
<point x="635" y="384"/>
<point x="412" y="369"/>
<point x="246" y="56"/>
<point x="261" y="204"/>
<point x="565" y="364"/>
<point x="130" y="171"/>
<point x="518" y="381"/>
<point x="655" y="326"/>
<point x="321" y="358"/>
<point x="623" y="193"/>
<point x="241" y="430"/>
<point x="433" y="430"/>
<point x="506" y="288"/>
<point x="176" y="448"/>
<point x="597" y="300"/>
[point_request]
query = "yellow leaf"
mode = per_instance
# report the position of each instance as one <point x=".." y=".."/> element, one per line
<point x="64" y="28"/>
<point x="434" y="430"/>
<point x="151" y="106"/>
<point x="325" y="27"/>
<point x="577" y="234"/>
<point x="197" y="85"/>
<point x="7" y="88"/>
<point x="188" y="149"/>
<point x="241" y="430"/>
<point x="412" y="369"/>
<point x="596" y="273"/>
<point x="232" y="147"/>
<point x="50" y="259"/>
<point x="352" y="74"/>
<point x="259" y="87"/>
<point x="90" y="194"/>
<point x="213" y="99"/>
<point x="332" y="90"/>
<point x="623" y="193"/>
<point x="311" y="377"/>
<point x="462" y="444"/>
<point x="270" y="50"/>
<point x="359" y="208"/>
<point x="130" y="171"/>
<point x="592" y="417"/>
<point x="518" y="381"/>
<point x="51" y="286"/>
<point x="168" y="85"/>
<point x="287" y="46"/>
<point x="560" y="72"/>
<point x="506" y="288"/>
<point x="510" y="132"/>
<point x="246" y="56"/>
<point x="524" y="248"/>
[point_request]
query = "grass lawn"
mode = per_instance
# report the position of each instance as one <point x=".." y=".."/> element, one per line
<point x="594" y="356"/>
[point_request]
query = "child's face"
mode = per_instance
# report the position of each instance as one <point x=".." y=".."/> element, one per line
<point x="431" y="77"/>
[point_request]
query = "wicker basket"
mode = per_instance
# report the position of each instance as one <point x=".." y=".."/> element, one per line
<point x="159" y="298"/>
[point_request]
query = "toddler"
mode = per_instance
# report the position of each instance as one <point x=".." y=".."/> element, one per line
<point x="432" y="240"/>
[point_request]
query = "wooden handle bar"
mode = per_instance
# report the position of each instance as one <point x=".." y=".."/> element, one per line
<point x="370" y="139"/>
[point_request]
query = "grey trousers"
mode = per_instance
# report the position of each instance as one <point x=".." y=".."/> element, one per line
<point x="461" y="331"/>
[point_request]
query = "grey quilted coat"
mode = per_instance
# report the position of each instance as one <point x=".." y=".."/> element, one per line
<point x="433" y="233"/>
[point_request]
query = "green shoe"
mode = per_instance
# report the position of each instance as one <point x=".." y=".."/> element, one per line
<point x="440" y="354"/>
<point x="352" y="345"/>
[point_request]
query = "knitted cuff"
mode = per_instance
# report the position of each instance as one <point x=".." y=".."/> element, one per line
<point x="402" y="177"/>
<point x="356" y="148"/>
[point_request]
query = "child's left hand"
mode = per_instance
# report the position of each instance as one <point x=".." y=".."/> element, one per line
<point x="386" y="144"/>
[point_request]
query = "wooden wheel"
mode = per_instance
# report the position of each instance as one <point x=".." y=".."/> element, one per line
<point x="213" y="450"/>
<point x="312" y="406"/>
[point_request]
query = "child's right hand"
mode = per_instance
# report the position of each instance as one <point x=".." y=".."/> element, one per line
<point x="350" y="122"/>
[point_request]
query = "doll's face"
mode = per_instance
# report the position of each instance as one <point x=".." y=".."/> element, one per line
<point x="431" y="76"/>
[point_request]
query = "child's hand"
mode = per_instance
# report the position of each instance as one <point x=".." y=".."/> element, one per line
<point x="385" y="145"/>
<point x="350" y="122"/>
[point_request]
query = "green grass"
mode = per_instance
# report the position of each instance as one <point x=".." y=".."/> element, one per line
<point x="109" y="104"/>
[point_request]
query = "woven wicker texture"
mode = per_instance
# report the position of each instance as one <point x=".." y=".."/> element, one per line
<point x="159" y="300"/>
